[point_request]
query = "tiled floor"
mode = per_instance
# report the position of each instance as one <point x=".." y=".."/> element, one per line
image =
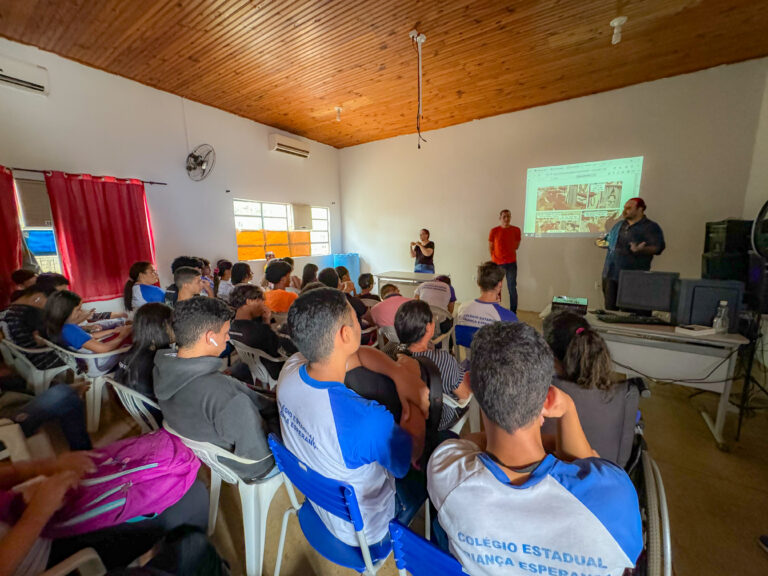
<point x="718" y="501"/>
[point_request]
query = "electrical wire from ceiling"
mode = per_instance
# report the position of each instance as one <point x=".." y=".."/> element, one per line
<point x="417" y="40"/>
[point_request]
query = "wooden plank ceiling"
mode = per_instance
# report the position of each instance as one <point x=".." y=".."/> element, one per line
<point x="289" y="63"/>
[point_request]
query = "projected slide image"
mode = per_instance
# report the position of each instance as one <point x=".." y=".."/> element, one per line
<point x="579" y="199"/>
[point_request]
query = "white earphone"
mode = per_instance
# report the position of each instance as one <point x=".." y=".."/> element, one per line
<point x="212" y="341"/>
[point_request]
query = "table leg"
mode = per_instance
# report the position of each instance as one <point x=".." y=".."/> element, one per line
<point x="716" y="427"/>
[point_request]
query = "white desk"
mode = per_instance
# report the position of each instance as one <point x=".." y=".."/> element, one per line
<point x="704" y="362"/>
<point x="405" y="281"/>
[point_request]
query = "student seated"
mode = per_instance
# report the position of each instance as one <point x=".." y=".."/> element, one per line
<point x="295" y="284"/>
<point x="251" y="326"/>
<point x="241" y="273"/>
<point x="207" y="277"/>
<point x="59" y="403"/>
<point x="438" y="293"/>
<point x="308" y="275"/>
<point x="415" y="327"/>
<point x="223" y="279"/>
<point x="545" y="513"/>
<point x="64" y="313"/>
<point x="383" y="314"/>
<point x="200" y="402"/>
<point x="152" y="331"/>
<point x="330" y="278"/>
<point x="25" y="320"/>
<point x="21" y="279"/>
<point x="353" y="440"/>
<point x="584" y="370"/>
<point x="189" y="283"/>
<point x="26" y="508"/>
<point x="365" y="281"/>
<point x="346" y="282"/>
<point x="171" y="291"/>
<point x="486" y="309"/>
<point x="278" y="274"/>
<point x="50" y="282"/>
<point x="140" y="287"/>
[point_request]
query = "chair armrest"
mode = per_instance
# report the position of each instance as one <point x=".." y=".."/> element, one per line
<point x="86" y="562"/>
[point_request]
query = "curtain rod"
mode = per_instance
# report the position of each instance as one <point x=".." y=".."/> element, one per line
<point x="45" y="171"/>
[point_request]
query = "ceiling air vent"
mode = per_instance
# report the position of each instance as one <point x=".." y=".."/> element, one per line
<point x="23" y="75"/>
<point x="280" y="143"/>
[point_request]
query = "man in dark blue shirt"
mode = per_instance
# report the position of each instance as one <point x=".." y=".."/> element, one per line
<point x="632" y="243"/>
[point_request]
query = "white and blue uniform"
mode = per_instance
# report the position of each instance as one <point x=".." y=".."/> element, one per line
<point x="579" y="518"/>
<point x="144" y="293"/>
<point x="476" y="314"/>
<point x="343" y="436"/>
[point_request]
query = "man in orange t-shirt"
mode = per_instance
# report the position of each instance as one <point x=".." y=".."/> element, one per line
<point x="503" y="242"/>
<point x="279" y="275"/>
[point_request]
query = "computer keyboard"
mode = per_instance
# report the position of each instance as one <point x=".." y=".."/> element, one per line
<point x="631" y="319"/>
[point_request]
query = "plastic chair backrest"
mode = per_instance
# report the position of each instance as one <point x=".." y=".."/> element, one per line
<point x="369" y="302"/>
<point x="5" y="330"/>
<point x="88" y="360"/>
<point x="208" y="454"/>
<point x="334" y="496"/>
<point x="389" y="333"/>
<point x="137" y="405"/>
<point x="419" y="556"/>
<point x="252" y="357"/>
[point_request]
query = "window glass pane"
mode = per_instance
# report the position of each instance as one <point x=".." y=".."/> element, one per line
<point x="319" y="236"/>
<point x="300" y="250"/>
<point x="275" y="210"/>
<point x="275" y="223"/>
<point x="320" y="249"/>
<point x="243" y="208"/>
<point x="320" y="213"/>
<point x="277" y="237"/>
<point x="247" y="223"/>
<point x="299" y="236"/>
<point x="280" y="251"/>
<point x="250" y="237"/>
<point x="250" y="253"/>
<point x="319" y="224"/>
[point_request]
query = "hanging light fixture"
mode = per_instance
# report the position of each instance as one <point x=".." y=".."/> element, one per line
<point x="417" y="40"/>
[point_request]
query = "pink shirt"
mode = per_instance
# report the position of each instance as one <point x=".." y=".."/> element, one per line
<point x="383" y="313"/>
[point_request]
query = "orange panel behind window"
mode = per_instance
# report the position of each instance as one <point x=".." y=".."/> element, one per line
<point x="250" y="237"/>
<point x="250" y="253"/>
<point x="300" y="237"/>
<point x="280" y="251"/>
<point x="301" y="250"/>
<point x="276" y="237"/>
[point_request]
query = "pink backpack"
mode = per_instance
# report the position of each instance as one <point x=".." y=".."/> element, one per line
<point x="136" y="478"/>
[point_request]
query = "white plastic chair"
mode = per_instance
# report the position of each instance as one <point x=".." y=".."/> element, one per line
<point x="439" y="316"/>
<point x="137" y="405"/>
<point x="93" y="374"/>
<point x="452" y="402"/>
<point x="389" y="334"/>
<point x="368" y="330"/>
<point x="18" y="448"/>
<point x="86" y="562"/>
<point x="252" y="357"/>
<point x="16" y="356"/>
<point x="255" y="497"/>
<point x="369" y="302"/>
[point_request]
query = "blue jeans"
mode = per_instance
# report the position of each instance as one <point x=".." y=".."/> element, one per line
<point x="424" y="268"/>
<point x="59" y="403"/>
<point x="511" y="273"/>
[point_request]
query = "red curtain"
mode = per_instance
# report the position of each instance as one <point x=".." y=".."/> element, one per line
<point x="10" y="236"/>
<point x="102" y="227"/>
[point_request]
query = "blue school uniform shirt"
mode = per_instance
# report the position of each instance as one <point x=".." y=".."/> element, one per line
<point x="73" y="336"/>
<point x="578" y="518"/>
<point x="476" y="314"/>
<point x="144" y="293"/>
<point x="343" y="436"/>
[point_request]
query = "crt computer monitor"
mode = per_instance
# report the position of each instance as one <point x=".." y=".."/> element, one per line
<point x="642" y="290"/>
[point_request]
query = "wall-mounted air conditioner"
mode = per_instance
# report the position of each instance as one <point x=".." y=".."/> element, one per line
<point x="23" y="75"/>
<point x="280" y="143"/>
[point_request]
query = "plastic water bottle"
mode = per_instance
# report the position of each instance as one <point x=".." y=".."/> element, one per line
<point x="720" y="323"/>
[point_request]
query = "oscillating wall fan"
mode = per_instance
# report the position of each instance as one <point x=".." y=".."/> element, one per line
<point x="200" y="162"/>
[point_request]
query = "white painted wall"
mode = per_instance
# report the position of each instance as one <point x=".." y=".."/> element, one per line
<point x="757" y="188"/>
<point x="97" y="123"/>
<point x="696" y="132"/>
